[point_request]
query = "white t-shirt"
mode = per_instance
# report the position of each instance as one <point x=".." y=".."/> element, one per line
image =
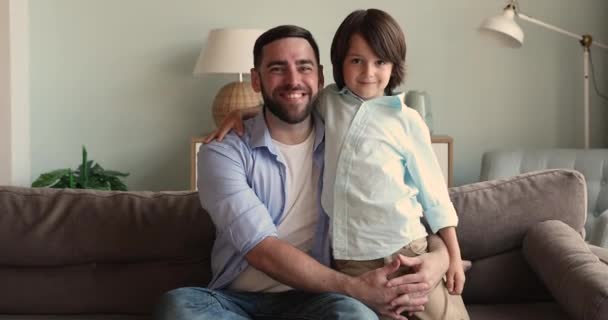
<point x="300" y="216"/>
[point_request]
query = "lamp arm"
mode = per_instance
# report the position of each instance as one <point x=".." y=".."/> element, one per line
<point x="558" y="29"/>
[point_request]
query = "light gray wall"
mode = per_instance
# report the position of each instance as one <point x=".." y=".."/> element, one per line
<point x="5" y="95"/>
<point x="115" y="75"/>
<point x="15" y="166"/>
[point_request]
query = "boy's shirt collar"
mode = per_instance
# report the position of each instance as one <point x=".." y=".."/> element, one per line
<point x="392" y="101"/>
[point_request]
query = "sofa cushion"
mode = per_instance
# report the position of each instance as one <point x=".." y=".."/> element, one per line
<point x="495" y="215"/>
<point x="575" y="276"/>
<point x="503" y="278"/>
<point x="527" y="311"/>
<point x="84" y="251"/>
<point x="601" y="253"/>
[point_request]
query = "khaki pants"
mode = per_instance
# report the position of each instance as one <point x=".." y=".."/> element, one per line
<point x="441" y="305"/>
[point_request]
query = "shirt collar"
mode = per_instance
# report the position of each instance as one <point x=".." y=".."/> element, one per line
<point x="260" y="135"/>
<point x="392" y="101"/>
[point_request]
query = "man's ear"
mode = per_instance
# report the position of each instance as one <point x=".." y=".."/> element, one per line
<point x="321" y="77"/>
<point x="255" y="80"/>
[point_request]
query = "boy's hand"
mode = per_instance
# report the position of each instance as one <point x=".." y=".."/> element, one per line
<point x="233" y="121"/>
<point x="455" y="277"/>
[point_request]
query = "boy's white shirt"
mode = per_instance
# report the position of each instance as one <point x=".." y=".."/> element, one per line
<point x="380" y="175"/>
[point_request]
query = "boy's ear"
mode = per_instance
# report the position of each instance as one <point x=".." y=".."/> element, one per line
<point x="255" y="80"/>
<point x="321" y="77"/>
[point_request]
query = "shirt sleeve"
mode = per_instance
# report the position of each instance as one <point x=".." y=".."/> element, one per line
<point x="236" y="211"/>
<point x="424" y="172"/>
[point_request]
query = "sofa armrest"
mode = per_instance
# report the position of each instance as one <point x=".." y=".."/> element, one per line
<point x="600" y="252"/>
<point x="574" y="275"/>
<point x="494" y="216"/>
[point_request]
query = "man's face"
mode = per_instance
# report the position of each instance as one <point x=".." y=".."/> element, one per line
<point x="289" y="78"/>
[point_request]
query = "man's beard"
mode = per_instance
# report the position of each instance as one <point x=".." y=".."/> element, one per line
<point x="282" y="111"/>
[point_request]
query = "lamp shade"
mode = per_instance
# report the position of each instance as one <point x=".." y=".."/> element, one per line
<point x="504" y="29"/>
<point x="230" y="51"/>
<point x="227" y="51"/>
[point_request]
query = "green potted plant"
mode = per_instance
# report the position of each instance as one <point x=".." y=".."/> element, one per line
<point x="88" y="175"/>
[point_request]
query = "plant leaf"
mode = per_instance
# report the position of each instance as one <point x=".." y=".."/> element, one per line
<point x="84" y="173"/>
<point x="115" y="173"/>
<point x="97" y="169"/>
<point x="117" y="184"/>
<point x="99" y="183"/>
<point x="89" y="175"/>
<point x="89" y="165"/>
<point x="50" y="178"/>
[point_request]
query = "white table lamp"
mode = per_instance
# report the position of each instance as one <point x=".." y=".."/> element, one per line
<point x="230" y="51"/>
<point x="504" y="29"/>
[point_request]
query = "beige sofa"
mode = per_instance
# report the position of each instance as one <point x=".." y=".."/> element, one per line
<point x="79" y="254"/>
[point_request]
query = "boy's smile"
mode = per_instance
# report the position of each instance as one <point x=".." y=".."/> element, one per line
<point x="365" y="74"/>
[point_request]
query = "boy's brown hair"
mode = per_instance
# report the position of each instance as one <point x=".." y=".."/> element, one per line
<point x="382" y="33"/>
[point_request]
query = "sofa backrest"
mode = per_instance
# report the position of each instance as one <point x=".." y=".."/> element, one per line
<point x="494" y="217"/>
<point x="83" y="251"/>
<point x="592" y="163"/>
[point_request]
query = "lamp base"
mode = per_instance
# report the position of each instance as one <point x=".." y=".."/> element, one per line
<point x="233" y="96"/>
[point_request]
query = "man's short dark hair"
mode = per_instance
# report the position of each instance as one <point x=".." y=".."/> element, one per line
<point x="281" y="32"/>
<point x="381" y="32"/>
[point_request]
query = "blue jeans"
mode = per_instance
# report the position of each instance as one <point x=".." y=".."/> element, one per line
<point x="195" y="303"/>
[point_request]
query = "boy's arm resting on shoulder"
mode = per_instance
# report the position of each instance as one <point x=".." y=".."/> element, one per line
<point x="249" y="113"/>
<point x="232" y="121"/>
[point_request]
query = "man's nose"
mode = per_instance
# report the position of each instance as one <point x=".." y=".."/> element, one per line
<point x="292" y="76"/>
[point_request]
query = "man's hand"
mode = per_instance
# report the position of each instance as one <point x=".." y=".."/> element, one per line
<point x="428" y="268"/>
<point x="372" y="289"/>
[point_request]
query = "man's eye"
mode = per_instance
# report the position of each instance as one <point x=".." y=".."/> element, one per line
<point x="305" y="69"/>
<point x="276" y="70"/>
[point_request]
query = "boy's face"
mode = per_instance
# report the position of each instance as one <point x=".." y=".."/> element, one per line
<point x="365" y="74"/>
<point x="289" y="78"/>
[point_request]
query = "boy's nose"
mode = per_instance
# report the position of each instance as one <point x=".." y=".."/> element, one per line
<point x="368" y="69"/>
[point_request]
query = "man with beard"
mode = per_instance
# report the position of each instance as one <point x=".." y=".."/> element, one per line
<point x="271" y="253"/>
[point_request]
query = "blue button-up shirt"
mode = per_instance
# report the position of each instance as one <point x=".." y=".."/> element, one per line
<point x="241" y="184"/>
<point x="381" y="175"/>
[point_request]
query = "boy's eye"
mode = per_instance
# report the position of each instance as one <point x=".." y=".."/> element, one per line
<point x="381" y="62"/>
<point x="356" y="61"/>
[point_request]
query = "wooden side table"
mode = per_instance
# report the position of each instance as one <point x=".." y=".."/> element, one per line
<point x="444" y="151"/>
<point x="442" y="145"/>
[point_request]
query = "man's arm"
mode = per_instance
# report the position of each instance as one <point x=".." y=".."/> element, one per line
<point x="290" y="266"/>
